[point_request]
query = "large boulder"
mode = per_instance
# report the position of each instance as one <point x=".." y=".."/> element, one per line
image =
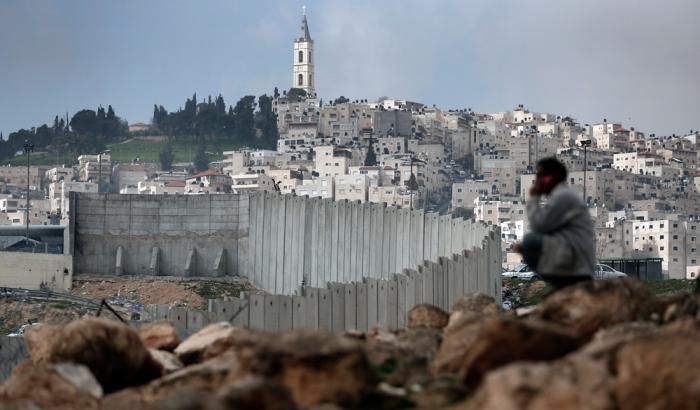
<point x="208" y="377"/>
<point x="208" y="342"/>
<point x="472" y="307"/>
<point x="426" y="316"/>
<point x="159" y="335"/>
<point x="181" y="399"/>
<point x="659" y="373"/>
<point x="608" y="341"/>
<point x="589" y="306"/>
<point x="254" y="393"/>
<point x="475" y="348"/>
<point x="477" y="302"/>
<point x="681" y="305"/>
<point x="315" y="367"/>
<point x="567" y="384"/>
<point x="112" y="350"/>
<point x="402" y="357"/>
<point x="52" y="387"/>
<point x="168" y="361"/>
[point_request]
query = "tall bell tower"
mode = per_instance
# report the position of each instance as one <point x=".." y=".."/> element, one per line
<point x="303" y="67"/>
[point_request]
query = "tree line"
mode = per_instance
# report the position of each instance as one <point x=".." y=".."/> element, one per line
<point x="210" y="120"/>
<point x="250" y="122"/>
<point x="87" y="131"/>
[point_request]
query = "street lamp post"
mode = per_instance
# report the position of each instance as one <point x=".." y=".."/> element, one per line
<point x="585" y="144"/>
<point x="28" y="147"/>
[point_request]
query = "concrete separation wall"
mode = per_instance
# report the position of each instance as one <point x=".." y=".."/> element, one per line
<point x="297" y="241"/>
<point x="158" y="234"/>
<point x="31" y="270"/>
<point x="280" y="242"/>
<point x="354" y="305"/>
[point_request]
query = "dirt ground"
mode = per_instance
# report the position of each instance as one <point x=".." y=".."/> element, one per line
<point x="147" y="290"/>
<point x="125" y="293"/>
<point x="15" y="313"/>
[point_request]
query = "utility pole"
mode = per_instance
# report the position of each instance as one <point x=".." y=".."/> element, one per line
<point x="28" y="147"/>
<point x="99" y="172"/>
<point x="585" y="144"/>
<point x="411" y="188"/>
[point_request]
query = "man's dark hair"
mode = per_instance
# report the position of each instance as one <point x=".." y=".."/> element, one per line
<point x="552" y="166"/>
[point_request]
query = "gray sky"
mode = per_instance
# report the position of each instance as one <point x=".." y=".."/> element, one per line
<point x="630" y="61"/>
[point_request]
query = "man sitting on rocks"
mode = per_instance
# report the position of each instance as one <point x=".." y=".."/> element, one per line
<point x="560" y="247"/>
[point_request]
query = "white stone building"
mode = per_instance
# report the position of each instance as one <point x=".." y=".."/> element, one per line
<point x="351" y="187"/>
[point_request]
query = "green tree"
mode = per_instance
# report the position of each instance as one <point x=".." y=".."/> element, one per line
<point x="167" y="157"/>
<point x="412" y="183"/>
<point x="266" y="122"/>
<point x="244" y="127"/>
<point x="296" y="94"/>
<point x="340" y="100"/>
<point x="201" y="159"/>
<point x="84" y="122"/>
<point x="371" y="157"/>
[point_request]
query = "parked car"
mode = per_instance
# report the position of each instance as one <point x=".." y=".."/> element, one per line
<point x="522" y="272"/>
<point x="606" y="272"/>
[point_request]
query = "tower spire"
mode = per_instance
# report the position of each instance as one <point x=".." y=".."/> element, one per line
<point x="303" y="67"/>
<point x="305" y="36"/>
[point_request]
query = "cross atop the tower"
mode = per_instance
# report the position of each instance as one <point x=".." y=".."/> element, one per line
<point x="303" y="10"/>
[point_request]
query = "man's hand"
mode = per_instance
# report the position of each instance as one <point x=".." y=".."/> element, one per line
<point x="518" y="247"/>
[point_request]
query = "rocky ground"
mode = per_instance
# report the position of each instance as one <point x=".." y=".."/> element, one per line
<point x="598" y="345"/>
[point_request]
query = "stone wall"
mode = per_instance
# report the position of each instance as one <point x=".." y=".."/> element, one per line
<point x="29" y="270"/>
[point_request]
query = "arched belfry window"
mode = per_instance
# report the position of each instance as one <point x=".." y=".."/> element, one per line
<point x="301" y="56"/>
<point x="310" y="61"/>
<point x="311" y="80"/>
<point x="301" y="80"/>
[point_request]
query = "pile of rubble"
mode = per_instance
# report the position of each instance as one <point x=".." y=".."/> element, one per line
<point x="597" y="345"/>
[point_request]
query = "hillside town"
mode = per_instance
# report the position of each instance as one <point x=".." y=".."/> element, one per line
<point x="642" y="189"/>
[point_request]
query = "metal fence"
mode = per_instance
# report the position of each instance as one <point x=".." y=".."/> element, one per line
<point x="643" y="269"/>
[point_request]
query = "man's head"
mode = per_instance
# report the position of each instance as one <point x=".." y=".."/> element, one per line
<point x="550" y="172"/>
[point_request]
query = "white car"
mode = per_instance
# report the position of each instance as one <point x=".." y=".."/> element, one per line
<point x="522" y="272"/>
<point x="606" y="272"/>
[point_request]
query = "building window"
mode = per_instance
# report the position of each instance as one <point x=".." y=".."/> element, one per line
<point x="300" y="82"/>
<point x="301" y="56"/>
<point x="661" y="236"/>
<point x="675" y="248"/>
<point x="661" y="248"/>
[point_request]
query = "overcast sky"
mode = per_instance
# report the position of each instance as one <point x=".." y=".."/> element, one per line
<point x="630" y="61"/>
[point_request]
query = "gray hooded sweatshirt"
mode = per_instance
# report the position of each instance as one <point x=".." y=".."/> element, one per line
<point x="567" y="230"/>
